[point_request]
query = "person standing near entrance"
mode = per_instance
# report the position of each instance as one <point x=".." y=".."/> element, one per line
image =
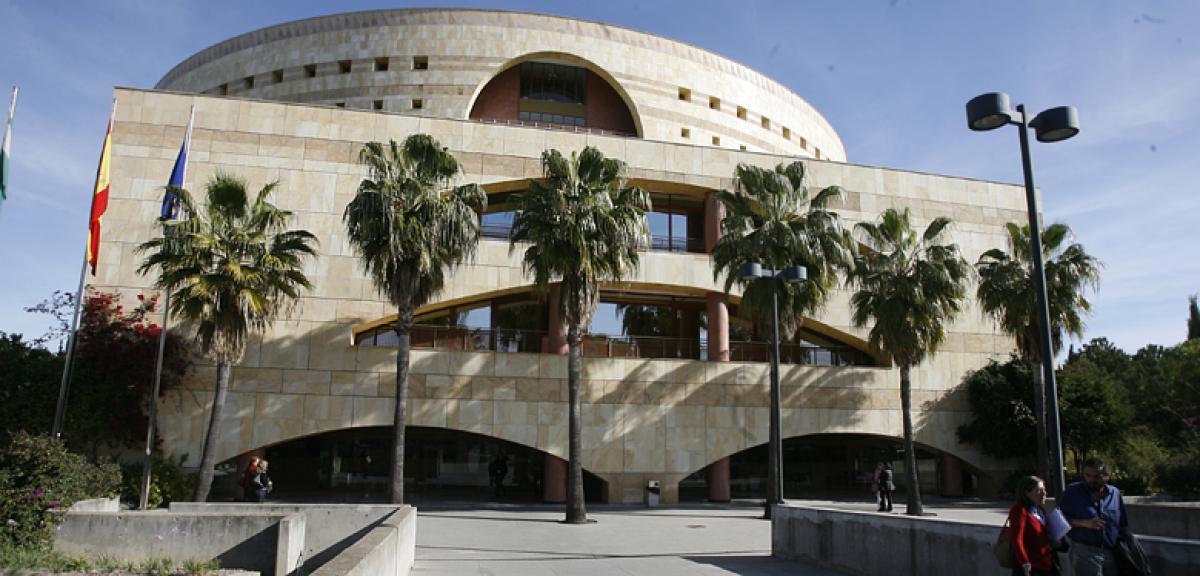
<point x="886" y="487"/>
<point x="1096" y="512"/>
<point x="875" y="482"/>
<point x="497" y="470"/>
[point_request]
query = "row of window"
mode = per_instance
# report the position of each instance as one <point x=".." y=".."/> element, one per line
<point x="381" y="64"/>
<point x="714" y="103"/>
<point x="552" y="118"/>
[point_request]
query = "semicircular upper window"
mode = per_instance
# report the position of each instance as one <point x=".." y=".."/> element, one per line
<point x="554" y="94"/>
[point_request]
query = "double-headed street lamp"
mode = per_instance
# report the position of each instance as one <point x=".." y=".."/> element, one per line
<point x="990" y="111"/>
<point x="792" y="275"/>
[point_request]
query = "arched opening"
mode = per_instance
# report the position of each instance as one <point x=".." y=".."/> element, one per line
<point x="833" y="466"/>
<point x="440" y="465"/>
<point x="556" y="90"/>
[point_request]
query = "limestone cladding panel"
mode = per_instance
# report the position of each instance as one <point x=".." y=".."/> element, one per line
<point x="644" y="418"/>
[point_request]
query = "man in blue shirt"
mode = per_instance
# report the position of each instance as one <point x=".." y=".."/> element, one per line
<point x="1097" y="514"/>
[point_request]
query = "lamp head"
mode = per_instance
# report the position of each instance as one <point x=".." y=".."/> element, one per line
<point x="750" y="270"/>
<point x="1056" y="124"/>
<point x="988" y="111"/>
<point x="795" y="274"/>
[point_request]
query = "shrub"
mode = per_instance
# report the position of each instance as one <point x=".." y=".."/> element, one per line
<point x="38" y="475"/>
<point x="1139" y="455"/>
<point x="168" y="483"/>
<point x="1181" y="478"/>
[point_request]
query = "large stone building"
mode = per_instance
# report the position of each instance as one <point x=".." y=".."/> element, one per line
<point x="683" y="401"/>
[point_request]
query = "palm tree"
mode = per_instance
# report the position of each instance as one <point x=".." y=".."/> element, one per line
<point x="771" y="220"/>
<point x="230" y="267"/>
<point x="582" y="227"/>
<point x="1006" y="293"/>
<point x="911" y="286"/>
<point x="410" y="225"/>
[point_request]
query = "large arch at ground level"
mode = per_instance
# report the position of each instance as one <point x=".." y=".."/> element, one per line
<point x="834" y="465"/>
<point x="441" y="464"/>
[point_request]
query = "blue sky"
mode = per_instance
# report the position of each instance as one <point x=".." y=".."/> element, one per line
<point x="891" y="76"/>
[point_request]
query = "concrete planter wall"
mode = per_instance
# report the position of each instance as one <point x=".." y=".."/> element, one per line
<point x="266" y="543"/>
<point x="866" y="543"/>
<point x="389" y="548"/>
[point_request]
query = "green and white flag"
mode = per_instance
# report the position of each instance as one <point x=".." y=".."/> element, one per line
<point x="4" y="151"/>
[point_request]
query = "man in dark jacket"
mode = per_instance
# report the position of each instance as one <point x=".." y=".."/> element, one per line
<point x="1097" y="516"/>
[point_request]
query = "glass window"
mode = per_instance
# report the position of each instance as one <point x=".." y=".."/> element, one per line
<point x="553" y="82"/>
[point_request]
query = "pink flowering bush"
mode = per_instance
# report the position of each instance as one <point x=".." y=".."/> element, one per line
<point x="39" y="475"/>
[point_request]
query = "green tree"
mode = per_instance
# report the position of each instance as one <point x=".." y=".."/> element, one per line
<point x="231" y="267"/>
<point x="581" y="227"/>
<point x="29" y="378"/>
<point x="1001" y="397"/>
<point x="108" y="400"/>
<point x="910" y="285"/>
<point x="1006" y="293"/>
<point x="409" y="225"/>
<point x="1193" y="323"/>
<point x="771" y="219"/>
<point x="1094" y="418"/>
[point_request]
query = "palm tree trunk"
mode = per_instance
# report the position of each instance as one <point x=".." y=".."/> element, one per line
<point x="912" y="491"/>
<point x="209" y="455"/>
<point x="399" y="420"/>
<point x="576" y="511"/>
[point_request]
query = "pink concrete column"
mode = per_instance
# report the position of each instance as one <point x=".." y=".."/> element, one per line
<point x="718" y="328"/>
<point x="718" y="480"/>
<point x="554" y="479"/>
<point x="714" y="211"/>
<point x="950" y="470"/>
<point x="556" y="340"/>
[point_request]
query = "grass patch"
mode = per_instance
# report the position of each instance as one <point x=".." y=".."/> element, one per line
<point x="22" y="561"/>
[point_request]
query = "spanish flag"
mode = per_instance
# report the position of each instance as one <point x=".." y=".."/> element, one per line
<point x="100" y="199"/>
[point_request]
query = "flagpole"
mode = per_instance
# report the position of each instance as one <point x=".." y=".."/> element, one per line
<point x="60" y="409"/>
<point x="144" y="493"/>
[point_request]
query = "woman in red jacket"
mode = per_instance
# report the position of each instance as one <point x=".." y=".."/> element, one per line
<point x="1029" y="537"/>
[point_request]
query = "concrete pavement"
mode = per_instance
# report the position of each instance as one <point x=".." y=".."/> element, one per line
<point x="498" y="540"/>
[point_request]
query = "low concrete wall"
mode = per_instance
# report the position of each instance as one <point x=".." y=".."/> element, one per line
<point x="330" y="528"/>
<point x="389" y="548"/>
<point x="266" y="543"/>
<point x="1168" y="519"/>
<point x="97" y="505"/>
<point x="867" y="543"/>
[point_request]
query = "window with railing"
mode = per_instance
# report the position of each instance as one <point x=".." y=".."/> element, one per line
<point x="623" y="326"/>
<point x="676" y="223"/>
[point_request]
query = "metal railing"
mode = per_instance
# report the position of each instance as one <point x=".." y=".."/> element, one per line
<point x="676" y="244"/>
<point x="552" y="126"/>
<point x="643" y="347"/>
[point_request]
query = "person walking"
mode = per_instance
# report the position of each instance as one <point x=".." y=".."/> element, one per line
<point x="247" y="479"/>
<point x="1033" y="552"/>
<point x="875" y="482"/>
<point x="886" y="487"/>
<point x="497" y="470"/>
<point x="1096" y="512"/>
<point x="261" y="483"/>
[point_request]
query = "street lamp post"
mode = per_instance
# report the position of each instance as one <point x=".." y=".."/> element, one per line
<point x="794" y="274"/>
<point x="990" y="111"/>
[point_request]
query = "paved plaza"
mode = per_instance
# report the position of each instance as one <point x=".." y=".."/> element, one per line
<point x="501" y="540"/>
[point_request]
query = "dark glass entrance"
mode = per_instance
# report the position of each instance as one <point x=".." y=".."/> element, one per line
<point x="440" y="465"/>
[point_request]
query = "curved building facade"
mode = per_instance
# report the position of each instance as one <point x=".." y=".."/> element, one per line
<point x="675" y="383"/>
<point x="514" y="68"/>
